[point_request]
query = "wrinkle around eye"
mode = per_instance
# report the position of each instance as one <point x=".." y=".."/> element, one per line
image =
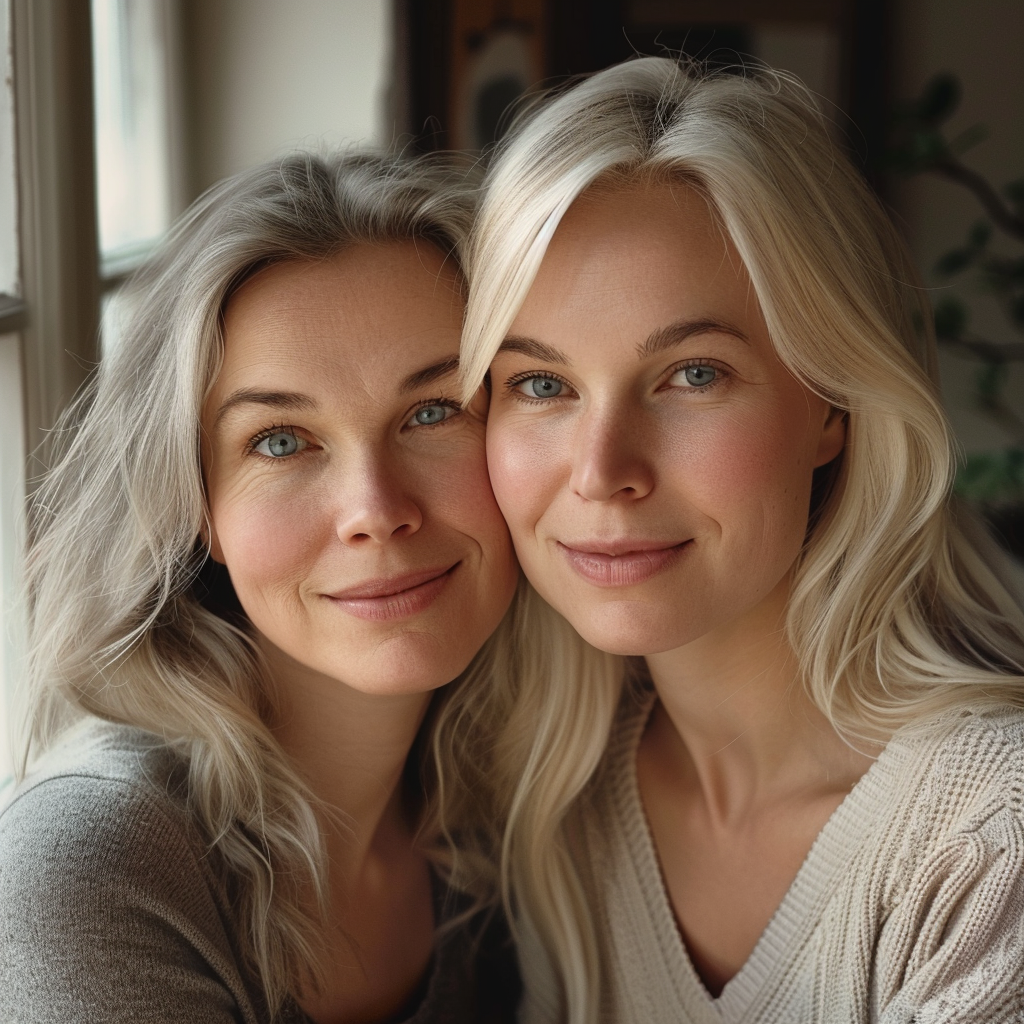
<point x="451" y="410"/>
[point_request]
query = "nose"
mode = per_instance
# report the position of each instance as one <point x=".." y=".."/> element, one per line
<point x="610" y="460"/>
<point x="374" y="504"/>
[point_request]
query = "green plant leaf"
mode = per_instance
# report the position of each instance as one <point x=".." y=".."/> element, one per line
<point x="940" y="98"/>
<point x="1014" y="191"/>
<point x="968" y="139"/>
<point x="954" y="261"/>
<point x="950" y="319"/>
<point x="979" y="235"/>
<point x="992" y="476"/>
<point x="926" y="147"/>
<point x="989" y="384"/>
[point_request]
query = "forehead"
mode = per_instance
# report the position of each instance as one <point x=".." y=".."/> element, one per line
<point x="648" y="252"/>
<point x="631" y="219"/>
<point x="370" y="308"/>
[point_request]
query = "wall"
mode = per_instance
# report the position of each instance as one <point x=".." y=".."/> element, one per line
<point x="265" y="76"/>
<point x="983" y="43"/>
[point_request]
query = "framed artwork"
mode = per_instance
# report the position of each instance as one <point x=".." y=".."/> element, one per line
<point x="466" y="61"/>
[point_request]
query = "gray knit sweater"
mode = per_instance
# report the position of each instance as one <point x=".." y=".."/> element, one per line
<point x="111" y="911"/>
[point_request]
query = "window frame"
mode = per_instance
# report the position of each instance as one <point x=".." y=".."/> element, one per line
<point x="49" y="329"/>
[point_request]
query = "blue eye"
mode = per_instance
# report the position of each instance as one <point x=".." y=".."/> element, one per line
<point x="428" y="415"/>
<point x="280" y="444"/>
<point x="695" y="376"/>
<point x="540" y="387"/>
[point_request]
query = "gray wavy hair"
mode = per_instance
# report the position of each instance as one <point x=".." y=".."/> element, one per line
<point x="117" y="627"/>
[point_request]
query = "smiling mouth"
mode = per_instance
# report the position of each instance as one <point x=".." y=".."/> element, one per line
<point x="394" y="597"/>
<point x="624" y="568"/>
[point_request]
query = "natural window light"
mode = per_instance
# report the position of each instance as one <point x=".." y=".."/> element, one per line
<point x="133" y="166"/>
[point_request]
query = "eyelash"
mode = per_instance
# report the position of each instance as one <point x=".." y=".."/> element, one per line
<point x="287" y="428"/>
<point x="280" y="428"/>
<point x="721" y="375"/>
<point x="513" y="382"/>
<point x="447" y="403"/>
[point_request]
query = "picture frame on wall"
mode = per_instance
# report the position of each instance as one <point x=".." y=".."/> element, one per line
<point x="467" y="62"/>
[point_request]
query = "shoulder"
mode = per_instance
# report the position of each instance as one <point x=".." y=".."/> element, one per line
<point x="963" y="765"/>
<point x="95" y="804"/>
<point x="944" y="791"/>
<point x="953" y="940"/>
<point x="107" y="890"/>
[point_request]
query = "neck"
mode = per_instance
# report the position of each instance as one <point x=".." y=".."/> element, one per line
<point x="737" y="720"/>
<point x="351" y="748"/>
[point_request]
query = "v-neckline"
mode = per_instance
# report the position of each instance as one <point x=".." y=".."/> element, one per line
<point x="847" y="828"/>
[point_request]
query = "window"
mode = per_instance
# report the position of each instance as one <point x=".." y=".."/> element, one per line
<point x="64" y="243"/>
<point x="138" y="152"/>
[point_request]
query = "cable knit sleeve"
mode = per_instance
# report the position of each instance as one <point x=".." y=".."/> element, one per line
<point x="107" y="914"/>
<point x="952" y="949"/>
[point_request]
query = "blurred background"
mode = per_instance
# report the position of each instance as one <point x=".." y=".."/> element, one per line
<point x="116" y="114"/>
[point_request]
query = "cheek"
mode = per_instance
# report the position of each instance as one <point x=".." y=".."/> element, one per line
<point x="264" y="536"/>
<point x="458" y="492"/>
<point x="525" y="471"/>
<point x="752" y="474"/>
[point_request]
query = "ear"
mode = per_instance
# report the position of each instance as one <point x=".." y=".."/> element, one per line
<point x="833" y="436"/>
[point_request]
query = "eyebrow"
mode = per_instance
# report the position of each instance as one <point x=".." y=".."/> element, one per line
<point x="256" y="396"/>
<point x="429" y="374"/>
<point x="674" y="334"/>
<point x="303" y="403"/>
<point x="657" y="341"/>
<point x="534" y="349"/>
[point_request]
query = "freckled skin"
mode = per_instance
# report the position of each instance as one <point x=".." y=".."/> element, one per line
<point x="630" y="449"/>
<point x="370" y="496"/>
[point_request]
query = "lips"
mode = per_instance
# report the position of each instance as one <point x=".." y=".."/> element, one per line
<point x="622" y="563"/>
<point x="394" y="597"/>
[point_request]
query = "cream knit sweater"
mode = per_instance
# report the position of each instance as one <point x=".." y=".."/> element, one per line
<point x="908" y="908"/>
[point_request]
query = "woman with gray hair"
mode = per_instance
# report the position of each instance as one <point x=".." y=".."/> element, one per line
<point x="266" y="548"/>
<point x="794" y="796"/>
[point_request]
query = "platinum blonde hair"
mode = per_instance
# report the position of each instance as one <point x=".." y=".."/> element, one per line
<point x="117" y="628"/>
<point x="895" y="613"/>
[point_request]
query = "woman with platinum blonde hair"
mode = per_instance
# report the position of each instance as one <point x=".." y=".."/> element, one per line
<point x="716" y="435"/>
<point x="265" y="549"/>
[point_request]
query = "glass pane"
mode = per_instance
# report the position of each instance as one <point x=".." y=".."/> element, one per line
<point x="130" y="79"/>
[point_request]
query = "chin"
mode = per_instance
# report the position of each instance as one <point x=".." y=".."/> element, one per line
<point x="391" y="686"/>
<point x="416" y="664"/>
<point x="630" y="628"/>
